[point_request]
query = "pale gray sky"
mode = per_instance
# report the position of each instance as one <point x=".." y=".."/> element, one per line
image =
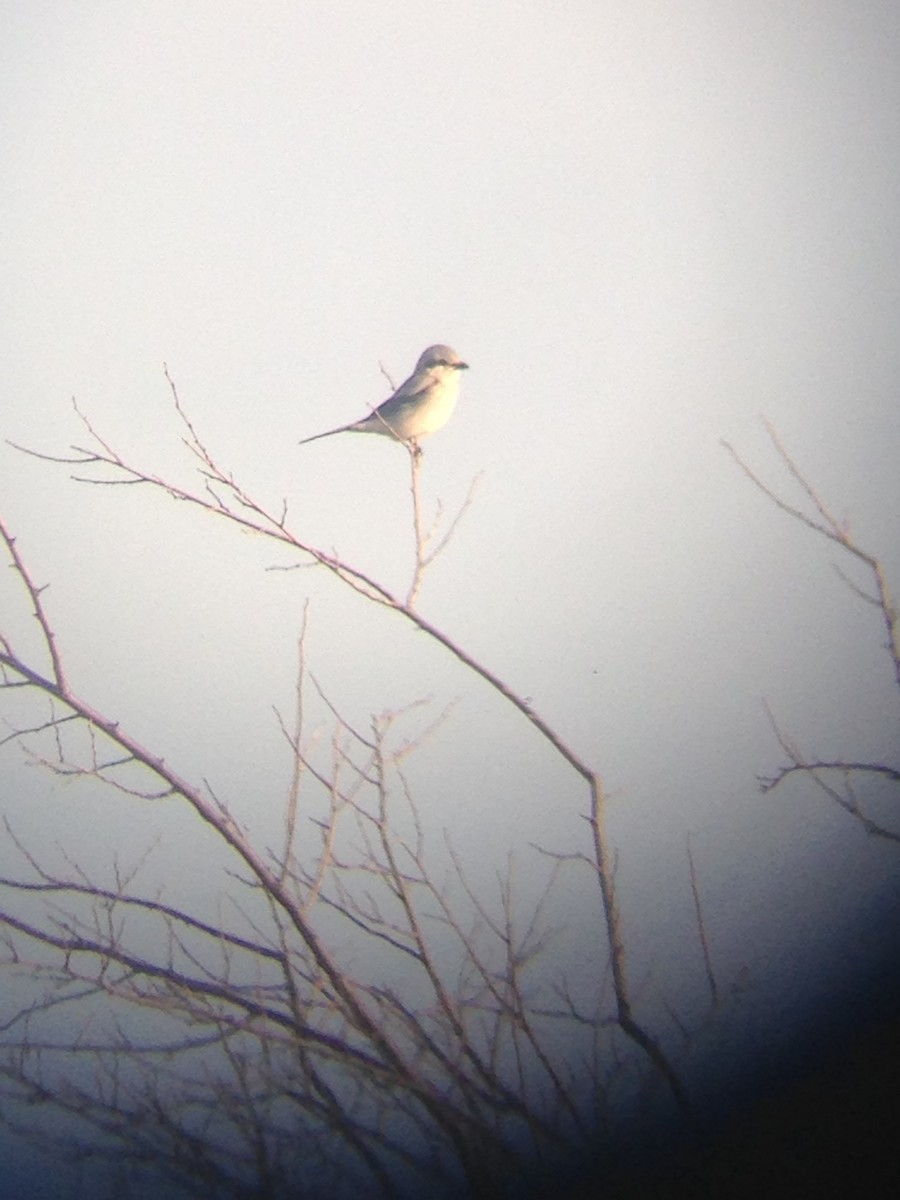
<point x="642" y="224"/>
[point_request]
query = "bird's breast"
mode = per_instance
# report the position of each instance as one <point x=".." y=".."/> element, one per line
<point x="434" y="410"/>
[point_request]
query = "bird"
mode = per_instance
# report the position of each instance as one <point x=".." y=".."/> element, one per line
<point x="420" y="406"/>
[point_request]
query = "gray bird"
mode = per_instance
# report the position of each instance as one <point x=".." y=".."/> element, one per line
<point x="420" y="406"/>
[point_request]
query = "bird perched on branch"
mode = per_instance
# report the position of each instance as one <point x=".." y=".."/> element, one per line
<point x="420" y="406"/>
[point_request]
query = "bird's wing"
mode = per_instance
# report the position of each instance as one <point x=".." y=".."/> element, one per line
<point x="412" y="391"/>
<point x="415" y="388"/>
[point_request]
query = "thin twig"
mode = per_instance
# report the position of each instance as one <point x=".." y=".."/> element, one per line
<point x="701" y="928"/>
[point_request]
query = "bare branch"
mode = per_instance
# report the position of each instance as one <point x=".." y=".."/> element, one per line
<point x="40" y="614"/>
<point x="828" y="526"/>
<point x="701" y="928"/>
<point x="471" y="1068"/>
<point x="812" y="768"/>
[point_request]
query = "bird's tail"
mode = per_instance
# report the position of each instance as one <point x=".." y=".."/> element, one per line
<point x="329" y="433"/>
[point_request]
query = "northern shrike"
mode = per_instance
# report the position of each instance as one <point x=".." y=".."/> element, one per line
<point x="420" y="406"/>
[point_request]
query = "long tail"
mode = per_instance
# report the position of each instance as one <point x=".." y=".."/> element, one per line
<point x="330" y="433"/>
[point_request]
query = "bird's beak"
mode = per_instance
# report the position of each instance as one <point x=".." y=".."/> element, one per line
<point x="462" y="366"/>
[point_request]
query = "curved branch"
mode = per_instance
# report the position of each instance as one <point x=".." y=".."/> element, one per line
<point x="240" y="508"/>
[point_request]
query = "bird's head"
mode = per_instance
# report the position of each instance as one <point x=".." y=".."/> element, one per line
<point x="440" y="356"/>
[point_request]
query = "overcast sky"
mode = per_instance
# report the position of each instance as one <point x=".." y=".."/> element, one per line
<point x="642" y="225"/>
